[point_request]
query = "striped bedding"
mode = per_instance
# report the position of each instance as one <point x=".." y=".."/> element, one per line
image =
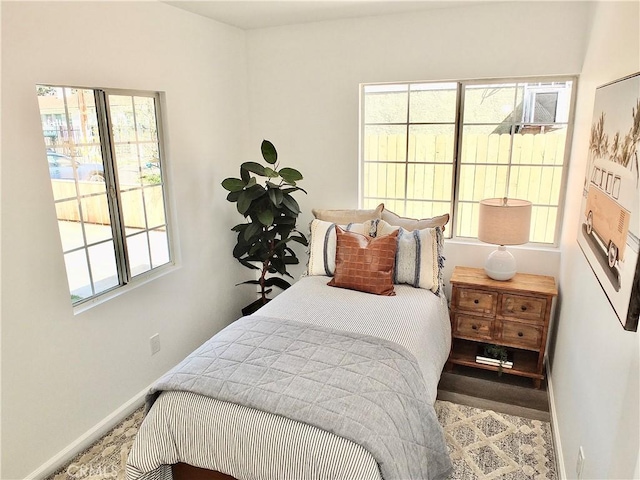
<point x="250" y="444"/>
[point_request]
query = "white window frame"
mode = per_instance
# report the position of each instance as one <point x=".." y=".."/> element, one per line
<point x="126" y="279"/>
<point x="459" y="122"/>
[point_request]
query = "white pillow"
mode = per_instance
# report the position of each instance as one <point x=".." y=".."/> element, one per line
<point x="418" y="256"/>
<point x="322" y="247"/>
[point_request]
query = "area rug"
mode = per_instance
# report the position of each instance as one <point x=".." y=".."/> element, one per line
<point x="483" y="445"/>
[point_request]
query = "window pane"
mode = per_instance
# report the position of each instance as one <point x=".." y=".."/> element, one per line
<point x="385" y="143"/>
<point x="496" y="103"/>
<point x="539" y="185"/>
<point x="69" y="227"/>
<point x="543" y="224"/>
<point x="95" y="213"/>
<point x="481" y="145"/>
<point x="385" y="180"/>
<point x="429" y="182"/>
<point x="154" y="206"/>
<point x="122" y="119"/>
<point x="540" y="147"/>
<point x="74" y="155"/>
<point x="426" y="209"/>
<point x="433" y="103"/>
<point x="138" y="252"/>
<point x="78" y="275"/>
<point x="386" y="104"/>
<point x="145" y="112"/>
<point x="431" y="143"/>
<point x="159" y="247"/>
<point x="467" y="224"/>
<point x="103" y="266"/>
<point x="478" y="182"/>
<point x="133" y="209"/>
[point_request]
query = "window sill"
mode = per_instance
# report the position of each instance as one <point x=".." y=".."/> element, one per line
<point x="532" y="246"/>
<point x="140" y="280"/>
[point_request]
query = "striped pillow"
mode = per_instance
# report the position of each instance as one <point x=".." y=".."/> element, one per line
<point x="418" y="256"/>
<point x="322" y="247"/>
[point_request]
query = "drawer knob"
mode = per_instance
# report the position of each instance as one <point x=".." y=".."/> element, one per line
<point x="524" y="308"/>
<point x="520" y="334"/>
<point x="476" y="301"/>
<point x="474" y="327"/>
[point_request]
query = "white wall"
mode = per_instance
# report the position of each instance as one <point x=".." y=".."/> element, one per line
<point x="304" y="83"/>
<point x="594" y="361"/>
<point x="62" y="374"/>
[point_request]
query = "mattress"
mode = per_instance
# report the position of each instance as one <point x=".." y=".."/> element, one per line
<point x="207" y="433"/>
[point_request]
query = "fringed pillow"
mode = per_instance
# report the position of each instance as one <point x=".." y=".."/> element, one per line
<point x="322" y="245"/>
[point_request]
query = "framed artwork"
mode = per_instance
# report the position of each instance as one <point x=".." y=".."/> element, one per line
<point x="609" y="228"/>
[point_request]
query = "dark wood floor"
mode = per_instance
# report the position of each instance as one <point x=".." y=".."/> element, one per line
<point x="507" y="394"/>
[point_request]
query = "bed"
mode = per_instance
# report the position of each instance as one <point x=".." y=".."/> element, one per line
<point x="246" y="432"/>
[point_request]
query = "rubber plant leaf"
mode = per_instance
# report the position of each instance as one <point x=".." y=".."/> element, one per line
<point x="290" y="175"/>
<point x="253" y="167"/>
<point x="269" y="152"/>
<point x="233" y="184"/>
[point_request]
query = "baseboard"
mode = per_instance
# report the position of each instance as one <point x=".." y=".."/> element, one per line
<point x="88" y="438"/>
<point x="555" y="429"/>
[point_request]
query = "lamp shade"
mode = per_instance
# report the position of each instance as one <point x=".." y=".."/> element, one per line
<point x="504" y="221"/>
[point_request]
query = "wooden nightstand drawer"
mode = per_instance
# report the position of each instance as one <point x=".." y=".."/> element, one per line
<point x="521" y="335"/>
<point x="473" y="327"/>
<point x="477" y="301"/>
<point x="523" y="307"/>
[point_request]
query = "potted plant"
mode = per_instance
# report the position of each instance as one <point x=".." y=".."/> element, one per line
<point x="270" y="212"/>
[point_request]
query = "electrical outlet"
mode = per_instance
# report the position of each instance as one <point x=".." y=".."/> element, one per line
<point x="580" y="462"/>
<point x="155" y="343"/>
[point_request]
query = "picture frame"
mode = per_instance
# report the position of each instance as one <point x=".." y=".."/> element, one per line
<point x="609" y="228"/>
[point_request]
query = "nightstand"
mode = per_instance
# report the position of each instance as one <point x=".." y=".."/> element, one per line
<point x="514" y="314"/>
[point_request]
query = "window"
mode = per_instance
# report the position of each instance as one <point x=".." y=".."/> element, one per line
<point x="104" y="153"/>
<point x="432" y="148"/>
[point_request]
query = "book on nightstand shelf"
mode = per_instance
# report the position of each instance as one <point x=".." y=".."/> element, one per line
<point x="484" y="359"/>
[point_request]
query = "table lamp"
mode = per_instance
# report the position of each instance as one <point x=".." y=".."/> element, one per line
<point x="503" y="221"/>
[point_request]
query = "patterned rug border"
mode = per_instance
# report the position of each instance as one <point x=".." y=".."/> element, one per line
<point x="483" y="445"/>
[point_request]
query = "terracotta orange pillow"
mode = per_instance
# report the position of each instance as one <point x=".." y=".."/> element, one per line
<point x="364" y="263"/>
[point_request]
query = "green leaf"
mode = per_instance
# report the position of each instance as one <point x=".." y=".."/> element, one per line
<point x="252" y="181"/>
<point x="301" y="240"/>
<point x="232" y="184"/>
<point x="277" y="282"/>
<point x="239" y="250"/>
<point x="275" y="195"/>
<point x="269" y="152"/>
<point x="244" y="202"/>
<point x="248" y="264"/>
<point x="293" y="189"/>
<point x="290" y="202"/>
<point x="270" y="172"/>
<point x="244" y="174"/>
<point x="240" y="227"/>
<point x="284" y="220"/>
<point x="255" y="191"/>
<point x="266" y="217"/>
<point x="290" y="175"/>
<point x="253" y="229"/>
<point x="253" y="167"/>
<point x="233" y="196"/>
<point x="249" y="282"/>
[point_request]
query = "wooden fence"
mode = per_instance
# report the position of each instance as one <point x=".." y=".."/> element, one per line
<point x="525" y="166"/>
<point x="95" y="208"/>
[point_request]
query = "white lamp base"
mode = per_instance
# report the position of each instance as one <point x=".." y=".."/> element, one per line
<point x="501" y="264"/>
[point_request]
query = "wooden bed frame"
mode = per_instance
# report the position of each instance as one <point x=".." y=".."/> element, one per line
<point x="184" y="471"/>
